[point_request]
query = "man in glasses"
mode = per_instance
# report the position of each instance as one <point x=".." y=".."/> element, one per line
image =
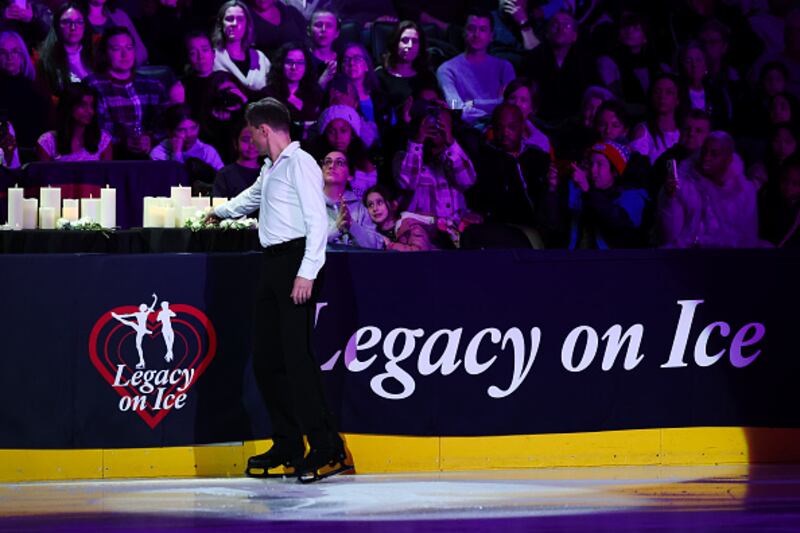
<point x="292" y="228"/>
<point x="562" y="69"/>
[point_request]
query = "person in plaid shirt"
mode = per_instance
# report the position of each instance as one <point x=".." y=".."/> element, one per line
<point x="129" y="106"/>
<point x="435" y="169"/>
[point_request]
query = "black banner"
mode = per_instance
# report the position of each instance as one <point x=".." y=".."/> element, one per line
<point x="461" y="343"/>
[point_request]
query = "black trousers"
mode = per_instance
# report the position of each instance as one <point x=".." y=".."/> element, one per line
<point x="286" y="370"/>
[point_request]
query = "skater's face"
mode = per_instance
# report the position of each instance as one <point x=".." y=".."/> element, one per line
<point x="260" y="138"/>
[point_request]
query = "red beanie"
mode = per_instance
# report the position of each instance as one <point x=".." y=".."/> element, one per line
<point x="617" y="154"/>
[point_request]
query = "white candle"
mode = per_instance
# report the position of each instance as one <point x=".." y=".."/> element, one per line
<point x="201" y="202"/>
<point x="50" y="197"/>
<point x="108" y="207"/>
<point x="169" y="217"/>
<point x="147" y="212"/>
<point x="218" y="201"/>
<point x="156" y="217"/>
<point x="187" y="213"/>
<point x="181" y="196"/>
<point x="90" y="208"/>
<point x="70" y="210"/>
<point x="16" y="198"/>
<point x="30" y="213"/>
<point x="47" y="218"/>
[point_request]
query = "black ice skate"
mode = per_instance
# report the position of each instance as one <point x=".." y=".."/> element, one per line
<point x="275" y="463"/>
<point x="323" y="463"/>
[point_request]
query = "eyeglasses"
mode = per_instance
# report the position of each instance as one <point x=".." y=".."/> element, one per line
<point x="295" y="64"/>
<point x="347" y="60"/>
<point x="335" y="163"/>
<point x="74" y="23"/>
<point x="555" y="25"/>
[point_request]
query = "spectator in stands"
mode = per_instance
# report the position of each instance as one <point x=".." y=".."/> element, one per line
<point x="790" y="56"/>
<point x="697" y="91"/>
<point x="632" y="65"/>
<point x="783" y="107"/>
<point x="348" y="220"/>
<point x="562" y="68"/>
<point x="474" y="81"/>
<point x="382" y="208"/>
<point x="405" y="66"/>
<point x="276" y="23"/>
<point x="572" y="139"/>
<point x="182" y="143"/>
<point x="783" y="143"/>
<point x="103" y="15"/>
<point x="77" y="136"/>
<point x="660" y="132"/>
<point x="67" y="55"/>
<point x="25" y="103"/>
<point x="196" y="82"/>
<point x="226" y="100"/>
<point x="711" y="203"/>
<point x="434" y="169"/>
<point x="233" y="39"/>
<point x="695" y="128"/>
<point x="357" y="86"/>
<point x="524" y="93"/>
<point x="238" y="176"/>
<point x="129" y="106"/>
<point x="715" y="38"/>
<point x="612" y="122"/>
<point x="780" y="209"/>
<point x="323" y="30"/>
<point x="604" y="213"/>
<point x="340" y="128"/>
<point x="31" y="21"/>
<point x="9" y="153"/>
<point x="513" y="28"/>
<point x="512" y="187"/>
<point x="292" y="81"/>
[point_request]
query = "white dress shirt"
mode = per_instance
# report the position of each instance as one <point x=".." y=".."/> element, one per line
<point x="289" y="195"/>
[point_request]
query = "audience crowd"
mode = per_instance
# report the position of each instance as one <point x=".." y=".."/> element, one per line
<point x="438" y="125"/>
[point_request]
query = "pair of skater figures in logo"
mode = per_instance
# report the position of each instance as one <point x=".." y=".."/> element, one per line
<point x="139" y="325"/>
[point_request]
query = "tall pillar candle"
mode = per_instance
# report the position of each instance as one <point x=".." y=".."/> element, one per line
<point x="218" y="201"/>
<point x="16" y="198"/>
<point x="170" y="215"/>
<point x="108" y="207"/>
<point x="70" y="210"/>
<point x="30" y="213"/>
<point x="50" y="197"/>
<point x="201" y="202"/>
<point x="90" y="208"/>
<point x="47" y="218"/>
<point x="181" y="196"/>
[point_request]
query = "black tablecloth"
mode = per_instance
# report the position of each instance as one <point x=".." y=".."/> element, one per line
<point x="137" y="241"/>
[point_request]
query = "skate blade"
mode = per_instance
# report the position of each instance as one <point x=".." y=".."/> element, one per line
<point x="325" y="472"/>
<point x="279" y="472"/>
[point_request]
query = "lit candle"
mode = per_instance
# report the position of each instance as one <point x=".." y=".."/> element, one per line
<point x="201" y="202"/>
<point x="108" y="207"/>
<point x="30" y="213"/>
<point x="218" y="201"/>
<point x="187" y="213"/>
<point x="47" y="218"/>
<point x="90" y="208"/>
<point x="70" y="210"/>
<point x="181" y="196"/>
<point x="50" y="197"/>
<point x="169" y="217"/>
<point x="16" y="198"/>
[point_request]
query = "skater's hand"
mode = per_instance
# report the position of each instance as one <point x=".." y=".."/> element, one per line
<point x="301" y="292"/>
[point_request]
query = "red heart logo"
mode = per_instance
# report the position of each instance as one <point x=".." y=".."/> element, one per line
<point x="152" y="391"/>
